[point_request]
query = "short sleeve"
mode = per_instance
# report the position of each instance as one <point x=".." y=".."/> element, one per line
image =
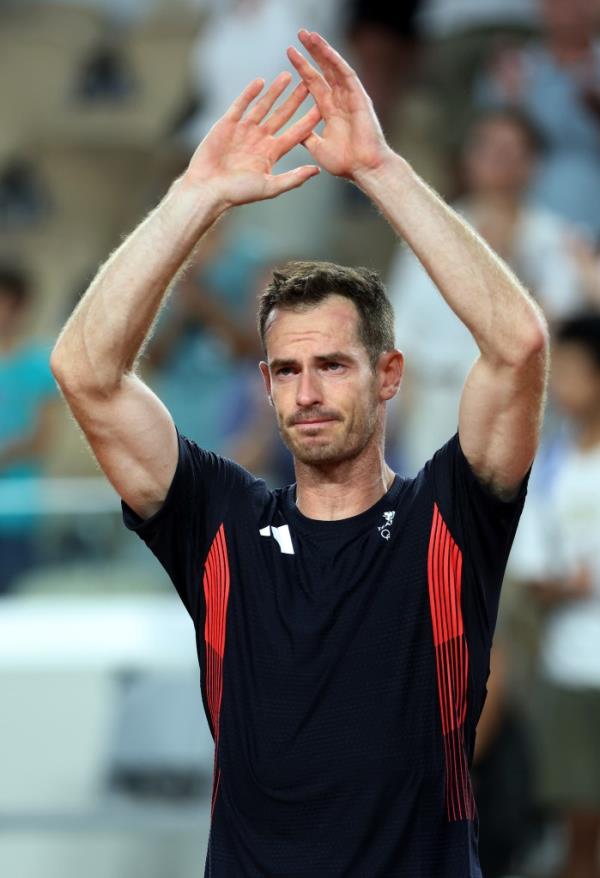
<point x="482" y="524"/>
<point x="180" y="533"/>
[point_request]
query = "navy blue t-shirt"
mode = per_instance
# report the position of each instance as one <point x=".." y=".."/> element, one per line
<point x="343" y="664"/>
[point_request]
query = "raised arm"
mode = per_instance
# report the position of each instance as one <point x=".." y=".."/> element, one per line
<point x="502" y="401"/>
<point x="94" y="360"/>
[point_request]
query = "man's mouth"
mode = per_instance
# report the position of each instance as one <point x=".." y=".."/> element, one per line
<point x="312" y="422"/>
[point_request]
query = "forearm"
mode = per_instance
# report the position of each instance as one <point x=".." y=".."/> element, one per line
<point x="104" y="336"/>
<point x="478" y="286"/>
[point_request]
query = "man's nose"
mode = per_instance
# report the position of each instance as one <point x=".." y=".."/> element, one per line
<point x="308" y="390"/>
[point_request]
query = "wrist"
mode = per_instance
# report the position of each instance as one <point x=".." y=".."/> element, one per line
<point x="390" y="165"/>
<point x="204" y="197"/>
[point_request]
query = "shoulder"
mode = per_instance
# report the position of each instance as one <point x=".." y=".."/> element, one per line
<point x="208" y="465"/>
<point x="454" y="477"/>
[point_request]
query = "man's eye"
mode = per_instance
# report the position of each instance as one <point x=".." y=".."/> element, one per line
<point x="333" y="367"/>
<point x="285" y="370"/>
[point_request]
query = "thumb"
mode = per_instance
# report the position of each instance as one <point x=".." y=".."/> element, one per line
<point x="278" y="183"/>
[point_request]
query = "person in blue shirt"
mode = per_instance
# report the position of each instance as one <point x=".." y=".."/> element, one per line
<point x="27" y="392"/>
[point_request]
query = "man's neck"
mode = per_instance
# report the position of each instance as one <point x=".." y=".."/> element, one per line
<point x="341" y="490"/>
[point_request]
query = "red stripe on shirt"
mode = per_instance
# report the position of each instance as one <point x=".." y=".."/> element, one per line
<point x="444" y="577"/>
<point x="216" y="593"/>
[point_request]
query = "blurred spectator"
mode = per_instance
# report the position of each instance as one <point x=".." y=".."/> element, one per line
<point x="587" y="259"/>
<point x="440" y="18"/>
<point x="206" y="334"/>
<point x="557" y="81"/>
<point x="242" y="40"/>
<point x="383" y="41"/>
<point x="460" y="35"/>
<point x="386" y="51"/>
<point x="502" y="772"/>
<point x="27" y="389"/>
<point x="557" y="552"/>
<point x="498" y="159"/>
<point x="119" y="10"/>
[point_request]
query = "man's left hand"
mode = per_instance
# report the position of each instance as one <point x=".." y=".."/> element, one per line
<point x="352" y="141"/>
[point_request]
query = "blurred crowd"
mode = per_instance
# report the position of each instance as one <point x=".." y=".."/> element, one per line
<point x="496" y="103"/>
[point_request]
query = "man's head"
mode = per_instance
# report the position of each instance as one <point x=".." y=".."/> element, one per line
<point x="500" y="152"/>
<point x="575" y="376"/>
<point x="14" y="298"/>
<point x="328" y="336"/>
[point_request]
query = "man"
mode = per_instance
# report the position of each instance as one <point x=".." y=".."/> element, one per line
<point x="343" y="623"/>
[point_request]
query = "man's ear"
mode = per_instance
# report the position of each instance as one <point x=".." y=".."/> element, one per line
<point x="390" y="368"/>
<point x="264" y="371"/>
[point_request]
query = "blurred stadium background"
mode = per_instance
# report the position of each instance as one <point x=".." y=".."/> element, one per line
<point x="105" y="754"/>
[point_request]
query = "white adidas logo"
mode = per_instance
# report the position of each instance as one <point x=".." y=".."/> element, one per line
<point x="282" y="535"/>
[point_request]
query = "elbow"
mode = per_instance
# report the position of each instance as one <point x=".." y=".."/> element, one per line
<point x="75" y="381"/>
<point x="58" y="367"/>
<point x="64" y="370"/>
<point x="536" y="344"/>
<point x="531" y="342"/>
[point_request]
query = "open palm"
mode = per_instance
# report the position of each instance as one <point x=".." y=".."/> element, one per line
<point x="352" y="140"/>
<point x="237" y="156"/>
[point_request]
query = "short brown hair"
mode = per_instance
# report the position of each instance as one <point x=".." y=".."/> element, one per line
<point x="304" y="284"/>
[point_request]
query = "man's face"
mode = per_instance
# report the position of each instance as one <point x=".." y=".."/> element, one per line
<point x="326" y="395"/>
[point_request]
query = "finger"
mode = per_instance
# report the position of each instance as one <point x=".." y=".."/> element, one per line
<point x="241" y="103"/>
<point x="262" y="107"/>
<point x="316" y="84"/>
<point x="331" y="62"/>
<point x="298" y="132"/>
<point x="306" y="40"/>
<point x="279" y="183"/>
<point x="285" y="112"/>
<point x="312" y="143"/>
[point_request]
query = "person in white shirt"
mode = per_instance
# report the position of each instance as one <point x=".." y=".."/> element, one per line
<point x="555" y="79"/>
<point x="557" y="554"/>
<point x="498" y="159"/>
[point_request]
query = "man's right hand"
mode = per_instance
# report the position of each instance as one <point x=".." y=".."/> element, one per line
<point x="130" y="431"/>
<point x="236" y="158"/>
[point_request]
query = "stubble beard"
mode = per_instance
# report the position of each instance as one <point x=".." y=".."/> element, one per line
<point x="345" y="445"/>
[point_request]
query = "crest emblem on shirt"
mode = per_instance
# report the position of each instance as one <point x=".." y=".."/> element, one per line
<point x="385" y="529"/>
